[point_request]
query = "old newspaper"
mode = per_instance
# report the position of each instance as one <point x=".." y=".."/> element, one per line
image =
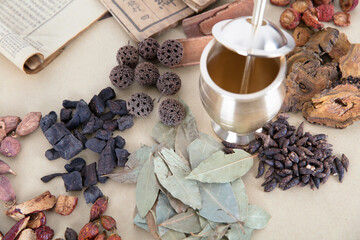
<point x="34" y="32"/>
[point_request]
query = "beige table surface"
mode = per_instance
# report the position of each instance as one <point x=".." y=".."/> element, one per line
<point x="330" y="213"/>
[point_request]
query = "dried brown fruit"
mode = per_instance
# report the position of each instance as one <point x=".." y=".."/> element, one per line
<point x="27" y="234"/>
<point x="290" y="18"/>
<point x="43" y="202"/>
<point x="7" y="192"/>
<point x="101" y="236"/>
<point x="89" y="231"/>
<point x="345" y="162"/>
<point x="29" y="124"/>
<point x="65" y="205"/>
<point x="325" y="12"/>
<point x="301" y="35"/>
<point x="5" y="168"/>
<point x="70" y="234"/>
<point x="11" y="123"/>
<point x="98" y="208"/>
<point x="108" y="223"/>
<point x="16" y="229"/>
<point x="301" y="5"/>
<point x="114" y="236"/>
<point x="10" y="147"/>
<point x="281" y="3"/>
<point x="44" y="233"/>
<point x="348" y="5"/>
<point x="37" y="220"/>
<point x="2" y="131"/>
<point x="342" y="19"/>
<point x="311" y="20"/>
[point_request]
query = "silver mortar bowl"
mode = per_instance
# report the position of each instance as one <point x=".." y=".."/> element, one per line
<point x="236" y="117"/>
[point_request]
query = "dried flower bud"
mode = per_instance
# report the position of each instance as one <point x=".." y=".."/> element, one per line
<point x="89" y="231"/>
<point x="108" y="223"/>
<point x="290" y="18"/>
<point x="301" y="5"/>
<point x="29" y="124"/>
<point x="98" y="208"/>
<point x="10" y="147"/>
<point x="311" y="20"/>
<point x="342" y="19"/>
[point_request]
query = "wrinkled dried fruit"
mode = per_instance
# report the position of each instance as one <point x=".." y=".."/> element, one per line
<point x="10" y="147"/>
<point x="89" y="231"/>
<point x="98" y="208"/>
<point x="5" y="168"/>
<point x="348" y="5"/>
<point x="27" y="234"/>
<point x="92" y="193"/>
<point x="2" y="131"/>
<point x="16" y="229"/>
<point x="325" y="12"/>
<point x="290" y="18"/>
<point x="311" y="20"/>
<point x="281" y="3"/>
<point x="11" y="123"/>
<point x="114" y="236"/>
<point x="70" y="234"/>
<point x="44" y="233"/>
<point x="72" y="181"/>
<point x="37" y="220"/>
<point x="301" y="5"/>
<point x="7" y="192"/>
<point x="101" y="236"/>
<point x="65" y="205"/>
<point x="29" y="124"/>
<point x="44" y="201"/>
<point x="108" y="223"/>
<point x="342" y="19"/>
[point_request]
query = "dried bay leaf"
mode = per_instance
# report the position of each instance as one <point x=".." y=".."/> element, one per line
<point x="164" y="134"/>
<point x="189" y="124"/>
<point x="139" y="156"/>
<point x="175" y="162"/>
<point x="173" y="235"/>
<point x="151" y="222"/>
<point x="257" y="218"/>
<point x="219" y="232"/>
<point x="147" y="188"/>
<point x="241" y="198"/>
<point x="236" y="233"/>
<point x="187" y="222"/>
<point x="183" y="189"/>
<point x="202" y="148"/>
<point x="140" y="222"/>
<point x="205" y="232"/>
<point x="176" y="204"/>
<point x="223" y="168"/>
<point x="163" y="211"/>
<point x="218" y="203"/>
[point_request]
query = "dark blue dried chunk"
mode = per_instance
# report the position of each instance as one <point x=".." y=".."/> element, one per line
<point x="88" y="174"/>
<point x="117" y="107"/>
<point x="107" y="161"/>
<point x="52" y="154"/>
<point x="75" y="165"/>
<point x="122" y="156"/>
<point x="65" y="114"/>
<point x="100" y="178"/>
<point x="68" y="147"/>
<point x="96" y="105"/>
<point x="107" y="116"/>
<point x="107" y="94"/>
<point x="72" y="181"/>
<point x="92" y="125"/>
<point x="110" y="125"/>
<point x="95" y="145"/>
<point x="81" y="115"/>
<point x="50" y="177"/>
<point x="56" y="132"/>
<point x="48" y="120"/>
<point x="125" y="122"/>
<point x="103" y="134"/>
<point x="119" y="142"/>
<point x="81" y="137"/>
<point x="69" y="104"/>
<point x="92" y="193"/>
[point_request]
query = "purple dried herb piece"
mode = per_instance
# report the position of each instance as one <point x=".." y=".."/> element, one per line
<point x="68" y="147"/>
<point x="75" y="165"/>
<point x="302" y="163"/>
<point x="281" y="141"/>
<point x="7" y="192"/>
<point x="95" y="145"/>
<point x="121" y="156"/>
<point x="318" y="154"/>
<point x="300" y="130"/>
<point x="88" y="174"/>
<point x="318" y="137"/>
<point x="305" y="171"/>
<point x="271" y="151"/>
<point x="56" y="132"/>
<point x="125" y="122"/>
<point x="70" y="234"/>
<point x="320" y="175"/>
<point x="103" y="134"/>
<point x="110" y="125"/>
<point x="92" y="193"/>
<point x="316" y="181"/>
<point x="81" y="137"/>
<point x="97" y="105"/>
<point x="282" y="116"/>
<point x="233" y="145"/>
<point x="270" y="186"/>
<point x="107" y="161"/>
<point x="228" y="150"/>
<point x="119" y="142"/>
<point x="345" y="162"/>
<point x="69" y="104"/>
<point x="285" y="172"/>
<point x="314" y="162"/>
<point x="72" y="181"/>
<point x="295" y="181"/>
<point x="253" y="146"/>
<point x="93" y="124"/>
<point x="50" y="177"/>
<point x="65" y="114"/>
<point x="302" y="141"/>
<point x="295" y="168"/>
<point x="306" y="151"/>
<point x="281" y="133"/>
<point x="327" y="171"/>
<point x="81" y="115"/>
<point x="293" y="157"/>
<point x="148" y="48"/>
<point x="279" y="165"/>
<point x="52" y="154"/>
<point x="101" y="179"/>
<point x="340" y="168"/>
<point x="269" y="172"/>
<point x="107" y="94"/>
<point x="333" y="169"/>
<point x="267" y="180"/>
<point x="261" y="169"/>
<point x="285" y="180"/>
<point x="107" y="116"/>
<point x="48" y="120"/>
<point x="117" y="107"/>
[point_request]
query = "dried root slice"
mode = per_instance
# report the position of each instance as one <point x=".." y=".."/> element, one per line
<point x="281" y="3"/>
<point x="325" y="12"/>
<point x="348" y="5"/>
<point x="65" y="205"/>
<point x="342" y="19"/>
<point x="301" y="35"/>
<point x="290" y="18"/>
<point x="300" y="55"/>
<point x="323" y="41"/>
<point x="301" y="5"/>
<point x="341" y="48"/>
<point x="43" y="202"/>
<point x="311" y="20"/>
<point x="16" y="229"/>
<point x="349" y="67"/>
<point x="37" y="220"/>
<point x="338" y="107"/>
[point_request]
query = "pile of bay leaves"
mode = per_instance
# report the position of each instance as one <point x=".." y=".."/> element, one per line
<point x="194" y="191"/>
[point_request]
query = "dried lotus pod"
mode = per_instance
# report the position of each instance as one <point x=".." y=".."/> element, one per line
<point x="140" y="104"/>
<point x="169" y="83"/>
<point x="146" y="74"/>
<point x="170" y="53"/>
<point x="171" y="112"/>
<point x="122" y="76"/>
<point x="148" y="48"/>
<point x="127" y="55"/>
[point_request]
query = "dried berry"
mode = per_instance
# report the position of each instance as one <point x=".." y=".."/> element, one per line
<point x="107" y="94"/>
<point x="101" y="236"/>
<point x="36" y="220"/>
<point x="95" y="145"/>
<point x="342" y="19"/>
<point x="103" y="134"/>
<point x="325" y="12"/>
<point x="146" y="74"/>
<point x="108" y="223"/>
<point x="5" y="168"/>
<point x="65" y="205"/>
<point x="117" y="107"/>
<point x="311" y="20"/>
<point x="148" y="48"/>
<point x="348" y="5"/>
<point x="170" y="52"/>
<point x="27" y="234"/>
<point x="81" y="115"/>
<point x="171" y="112"/>
<point x="169" y="83"/>
<point x="89" y="175"/>
<point x="301" y="5"/>
<point x="121" y="76"/>
<point x="50" y="177"/>
<point x="11" y="122"/>
<point x="119" y="142"/>
<point x="92" y="125"/>
<point x="16" y="229"/>
<point x="70" y="234"/>
<point x="48" y="120"/>
<point x="72" y="181"/>
<point x="281" y="3"/>
<point x="92" y="193"/>
<point x="127" y="55"/>
<point x="125" y="122"/>
<point x="44" y="233"/>
<point x="97" y="105"/>
<point x="52" y="154"/>
<point x="75" y="165"/>
<point x="98" y="208"/>
<point x="122" y="156"/>
<point x="140" y="104"/>
<point x="29" y="124"/>
<point x="7" y="192"/>
<point x="290" y="18"/>
<point x="10" y="147"/>
<point x="114" y="236"/>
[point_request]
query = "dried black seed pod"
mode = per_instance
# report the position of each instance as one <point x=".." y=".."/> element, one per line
<point x="146" y="74"/>
<point x="171" y="112"/>
<point x="70" y="234"/>
<point x="281" y="133"/>
<point x="305" y="178"/>
<point x="286" y="179"/>
<point x="270" y="186"/>
<point x="148" y="48"/>
<point x="279" y="165"/>
<point x="269" y="172"/>
<point x="292" y="183"/>
<point x="293" y="157"/>
<point x="140" y="104"/>
<point x="316" y="181"/>
<point x="288" y="163"/>
<point x="228" y="150"/>
<point x="271" y="151"/>
<point x="295" y="168"/>
<point x="270" y="162"/>
<point x="269" y="179"/>
<point x="170" y="53"/>
<point x="261" y="169"/>
<point x="121" y="76"/>
<point x="300" y="130"/>
<point x="127" y="55"/>
<point x="279" y="157"/>
<point x="340" y="168"/>
<point x="301" y="141"/>
<point x="345" y="162"/>
<point x="169" y="83"/>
